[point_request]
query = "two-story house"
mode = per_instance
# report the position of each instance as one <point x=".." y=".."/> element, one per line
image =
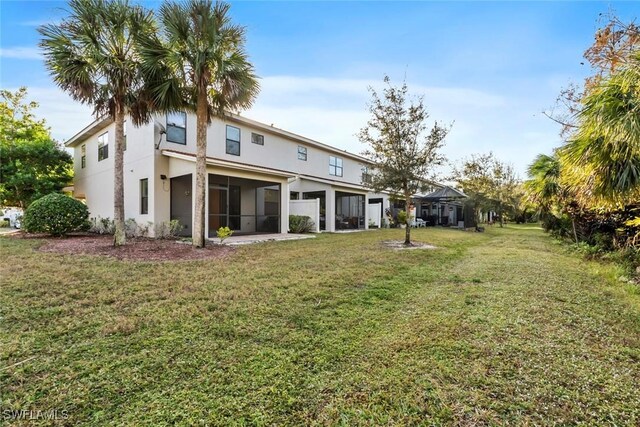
<point x="254" y="172"/>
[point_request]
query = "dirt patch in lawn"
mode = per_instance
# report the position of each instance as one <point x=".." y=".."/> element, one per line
<point x="399" y="245"/>
<point x="136" y="249"/>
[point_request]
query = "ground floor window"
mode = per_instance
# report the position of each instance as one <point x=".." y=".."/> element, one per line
<point x="144" y="196"/>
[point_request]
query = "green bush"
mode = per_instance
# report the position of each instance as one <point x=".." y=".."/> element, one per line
<point x="4" y="223"/>
<point x="224" y="233"/>
<point x="587" y="250"/>
<point x="56" y="214"/>
<point x="132" y="229"/>
<point x="101" y="225"/>
<point x="300" y="224"/>
<point x="167" y="230"/>
<point x="402" y="217"/>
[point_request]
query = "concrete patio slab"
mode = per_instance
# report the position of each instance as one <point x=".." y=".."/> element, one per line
<point x="258" y="238"/>
<point x="4" y="231"/>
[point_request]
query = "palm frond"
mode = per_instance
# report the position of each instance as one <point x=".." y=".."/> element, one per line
<point x="198" y="51"/>
<point x="607" y="144"/>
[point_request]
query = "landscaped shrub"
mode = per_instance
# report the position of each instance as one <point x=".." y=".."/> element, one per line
<point x="224" y="233"/>
<point x="557" y="226"/>
<point x="55" y="214"/>
<point x="101" y="225"/>
<point x="300" y="224"/>
<point x="4" y="223"/>
<point x="167" y="230"/>
<point x="133" y="229"/>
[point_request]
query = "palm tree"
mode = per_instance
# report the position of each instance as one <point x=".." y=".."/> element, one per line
<point x="198" y="63"/>
<point x="547" y="188"/>
<point x="92" y="56"/>
<point x="603" y="158"/>
<point x="543" y="185"/>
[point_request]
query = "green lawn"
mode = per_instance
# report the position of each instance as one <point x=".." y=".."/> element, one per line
<point x="502" y="327"/>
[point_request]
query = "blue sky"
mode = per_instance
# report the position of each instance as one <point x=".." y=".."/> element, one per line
<point x="489" y="67"/>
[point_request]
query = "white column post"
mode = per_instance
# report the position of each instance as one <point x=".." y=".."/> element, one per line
<point x="284" y="206"/>
<point x="330" y="210"/>
<point x="366" y="211"/>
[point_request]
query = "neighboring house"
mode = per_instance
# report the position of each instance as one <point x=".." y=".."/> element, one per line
<point x="258" y="174"/>
<point x="442" y="206"/>
<point x="437" y="204"/>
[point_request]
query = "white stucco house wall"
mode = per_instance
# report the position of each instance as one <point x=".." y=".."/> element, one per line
<point x="255" y="171"/>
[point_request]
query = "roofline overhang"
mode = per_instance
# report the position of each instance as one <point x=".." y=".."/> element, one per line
<point x="98" y="123"/>
<point x="88" y="130"/>
<point x="229" y="164"/>
<point x="334" y="183"/>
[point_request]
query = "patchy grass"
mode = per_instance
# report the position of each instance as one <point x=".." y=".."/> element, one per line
<point x="502" y="327"/>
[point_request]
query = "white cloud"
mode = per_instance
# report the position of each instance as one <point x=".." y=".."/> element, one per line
<point x="333" y="111"/>
<point x="21" y="53"/>
<point x="338" y="91"/>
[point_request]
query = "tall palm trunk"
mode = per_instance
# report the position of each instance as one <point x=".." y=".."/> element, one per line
<point x="201" y="169"/>
<point x="119" y="237"/>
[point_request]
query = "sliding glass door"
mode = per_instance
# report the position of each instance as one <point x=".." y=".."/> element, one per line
<point x="349" y="211"/>
<point x="217" y="208"/>
<point x="243" y="205"/>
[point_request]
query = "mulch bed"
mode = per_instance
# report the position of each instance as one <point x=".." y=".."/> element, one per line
<point x="399" y="245"/>
<point x="136" y="249"/>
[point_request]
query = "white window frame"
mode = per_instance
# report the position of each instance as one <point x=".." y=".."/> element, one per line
<point x="336" y="166"/>
<point x="302" y="153"/>
<point x="103" y="145"/>
<point x="177" y="126"/>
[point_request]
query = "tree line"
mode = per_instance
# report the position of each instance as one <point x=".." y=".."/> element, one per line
<point x="588" y="189"/>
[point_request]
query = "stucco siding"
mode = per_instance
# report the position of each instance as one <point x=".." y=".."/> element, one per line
<point x="278" y="152"/>
<point x="275" y="161"/>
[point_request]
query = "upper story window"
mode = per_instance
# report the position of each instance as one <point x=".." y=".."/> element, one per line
<point x="233" y="140"/>
<point x="83" y="156"/>
<point x="366" y="177"/>
<point x="335" y="166"/>
<point x="177" y="127"/>
<point x="302" y="153"/>
<point x="103" y="146"/>
<point x="256" y="138"/>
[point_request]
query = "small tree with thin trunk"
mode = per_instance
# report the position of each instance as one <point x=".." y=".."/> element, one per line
<point x="402" y="147"/>
<point x="92" y="56"/>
